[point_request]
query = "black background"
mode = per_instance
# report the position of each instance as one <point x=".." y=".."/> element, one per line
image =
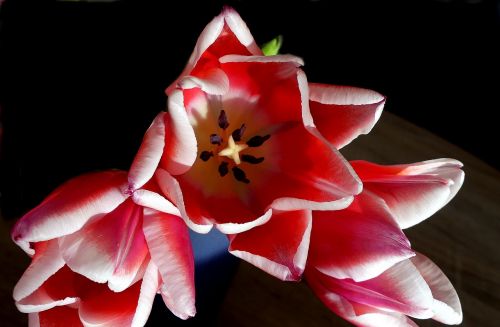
<point x="81" y="82"/>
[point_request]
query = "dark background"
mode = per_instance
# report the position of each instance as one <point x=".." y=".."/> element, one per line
<point x="81" y="82"/>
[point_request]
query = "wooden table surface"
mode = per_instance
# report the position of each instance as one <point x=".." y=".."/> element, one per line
<point x="463" y="239"/>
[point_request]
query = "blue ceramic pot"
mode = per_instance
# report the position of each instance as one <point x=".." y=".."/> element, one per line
<point x="214" y="269"/>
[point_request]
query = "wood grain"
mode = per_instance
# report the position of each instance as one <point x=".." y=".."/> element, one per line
<point x="462" y="239"/>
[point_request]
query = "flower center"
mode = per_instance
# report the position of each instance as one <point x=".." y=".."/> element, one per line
<point x="229" y="154"/>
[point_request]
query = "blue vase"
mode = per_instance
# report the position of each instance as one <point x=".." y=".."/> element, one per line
<point x="214" y="269"/>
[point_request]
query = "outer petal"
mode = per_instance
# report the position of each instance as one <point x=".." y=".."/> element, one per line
<point x="148" y="157"/>
<point x="342" y="113"/>
<point x="170" y="248"/>
<point x="278" y="247"/>
<point x="447" y="308"/>
<point x="70" y="206"/>
<point x="225" y="34"/>
<point x="149" y="287"/>
<point x="56" y="291"/>
<point x="45" y="263"/>
<point x="181" y="148"/>
<point x="111" y="249"/>
<point x="359" y="242"/>
<point x="413" y="192"/>
<point x="356" y="313"/>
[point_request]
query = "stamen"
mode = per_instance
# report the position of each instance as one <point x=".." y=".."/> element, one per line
<point x="223" y="122"/>
<point x="223" y="169"/>
<point x="205" y="155"/>
<point x="251" y="159"/>
<point x="240" y="175"/>
<point x="257" y="140"/>
<point x="215" y="139"/>
<point x="238" y="133"/>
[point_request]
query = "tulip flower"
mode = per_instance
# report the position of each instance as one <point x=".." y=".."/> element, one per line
<point x="238" y="142"/>
<point x="94" y="226"/>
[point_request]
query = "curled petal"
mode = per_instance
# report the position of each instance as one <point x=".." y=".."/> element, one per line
<point x="359" y="242"/>
<point x="71" y="205"/>
<point x="46" y="261"/>
<point x="213" y="81"/>
<point x="171" y="188"/>
<point x="180" y="141"/>
<point x="153" y="200"/>
<point x="356" y="313"/>
<point x="170" y="247"/>
<point x="149" y="288"/>
<point x="342" y="113"/>
<point x="56" y="291"/>
<point x="278" y="247"/>
<point x="413" y="192"/>
<point x="111" y="249"/>
<point x="446" y="308"/>
<point x="148" y="157"/>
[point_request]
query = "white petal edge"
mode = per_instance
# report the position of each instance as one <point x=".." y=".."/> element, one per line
<point x="233" y="228"/>
<point x="149" y="288"/>
<point x="214" y="82"/>
<point x="148" y="157"/>
<point x="153" y="200"/>
<point x="170" y="187"/>
<point x="40" y="269"/>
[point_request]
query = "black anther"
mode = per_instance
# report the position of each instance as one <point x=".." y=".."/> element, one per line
<point x="223" y="122"/>
<point x="257" y="140"/>
<point x="238" y="133"/>
<point x="251" y="159"/>
<point x="205" y="155"/>
<point x="223" y="169"/>
<point x="215" y="139"/>
<point x="240" y="175"/>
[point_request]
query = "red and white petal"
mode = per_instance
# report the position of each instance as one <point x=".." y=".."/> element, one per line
<point x="356" y="313"/>
<point x="110" y="249"/>
<point x="63" y="316"/>
<point x="180" y="141"/>
<point x="413" y="192"/>
<point x="278" y="247"/>
<point x="101" y="307"/>
<point x="148" y="157"/>
<point x="70" y="206"/>
<point x="46" y="261"/>
<point x="153" y="200"/>
<point x="400" y="288"/>
<point x="359" y="242"/>
<point x="234" y="228"/>
<point x="342" y="113"/>
<point x="225" y="34"/>
<point x="149" y="288"/>
<point x="56" y="291"/>
<point x="447" y="308"/>
<point x="171" y="189"/>
<point x="170" y="248"/>
<point x="212" y="81"/>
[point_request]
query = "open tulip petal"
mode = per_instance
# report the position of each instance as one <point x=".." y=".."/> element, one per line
<point x="282" y="244"/>
<point x="170" y="247"/>
<point x="111" y="249"/>
<point x="149" y="288"/>
<point x="226" y="33"/>
<point x="149" y="154"/>
<point x="234" y="228"/>
<point x="56" y="291"/>
<point x="71" y="205"/>
<point x="413" y="192"/>
<point x="356" y="313"/>
<point x="180" y="141"/>
<point x="46" y="261"/>
<point x="214" y="81"/>
<point x="170" y="187"/>
<point x="153" y="200"/>
<point x="342" y="113"/>
<point x="359" y="242"/>
<point x="447" y="308"/>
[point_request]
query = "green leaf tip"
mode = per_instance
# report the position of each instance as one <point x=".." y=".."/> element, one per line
<point x="272" y="47"/>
